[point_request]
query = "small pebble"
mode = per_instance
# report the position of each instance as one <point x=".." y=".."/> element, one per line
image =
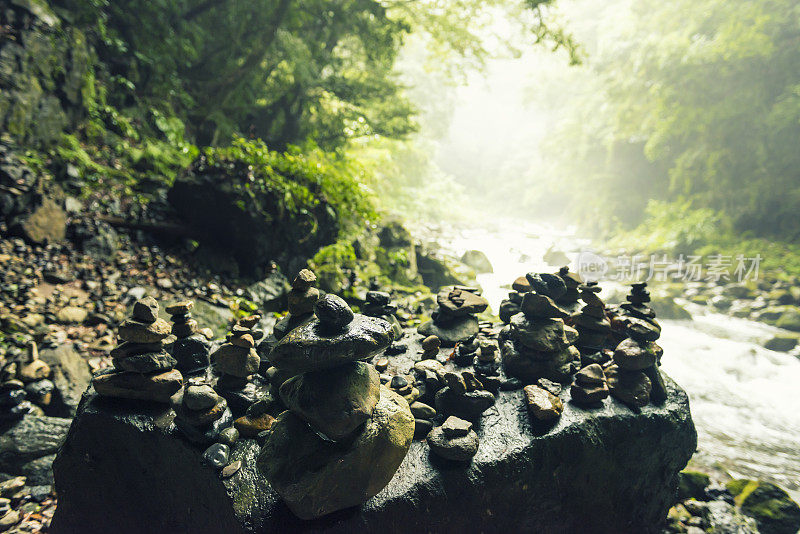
<point x="231" y="468"/>
<point x="217" y="455"/>
<point x="398" y="382"/>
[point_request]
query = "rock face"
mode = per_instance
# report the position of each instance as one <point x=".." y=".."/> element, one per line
<point x="126" y="460"/>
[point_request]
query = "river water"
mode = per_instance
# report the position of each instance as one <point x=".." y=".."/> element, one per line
<point x="745" y="400"/>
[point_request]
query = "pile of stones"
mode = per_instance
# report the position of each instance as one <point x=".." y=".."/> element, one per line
<point x="379" y="304"/>
<point x="591" y="322"/>
<point x="463" y="395"/>
<point x="235" y="360"/>
<point x="302" y="297"/>
<point x="537" y="343"/>
<point x="25" y="386"/>
<point x="190" y="349"/>
<point x="590" y="386"/>
<point x="466" y="351"/>
<point x="573" y="283"/>
<point x="200" y="413"/>
<point x="455" y="320"/>
<point x="143" y="369"/>
<point x="344" y="435"/>
<point x="454" y="440"/>
<point x="424" y="415"/>
<point x="430" y="347"/>
<point x="634" y="378"/>
<point x="563" y="289"/>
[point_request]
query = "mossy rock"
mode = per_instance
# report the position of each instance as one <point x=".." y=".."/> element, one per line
<point x="666" y="308"/>
<point x="771" y="507"/>
<point x="790" y="320"/>
<point x="782" y="342"/>
<point x="692" y="485"/>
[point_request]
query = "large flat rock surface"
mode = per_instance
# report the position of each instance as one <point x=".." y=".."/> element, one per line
<point x="125" y="469"/>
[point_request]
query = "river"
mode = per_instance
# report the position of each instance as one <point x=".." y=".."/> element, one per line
<point x="745" y="400"/>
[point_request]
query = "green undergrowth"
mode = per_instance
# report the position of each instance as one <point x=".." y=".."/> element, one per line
<point x="678" y="228"/>
<point x="302" y="177"/>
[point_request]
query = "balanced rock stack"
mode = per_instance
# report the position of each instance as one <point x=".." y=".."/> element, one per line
<point x="590" y="387"/>
<point x="430" y="347"/>
<point x="302" y="298"/>
<point x="465" y="352"/>
<point x="572" y="282"/>
<point x="455" y="320"/>
<point x="143" y="370"/>
<point x="537" y="344"/>
<point x="591" y="322"/>
<point x="13" y="400"/>
<point x="379" y="304"/>
<point x="190" y="349"/>
<point x="511" y="306"/>
<point x="200" y="413"/>
<point x="35" y="374"/>
<point x="463" y="395"/>
<point x="344" y="435"/>
<point x="454" y="440"/>
<point x="634" y="377"/>
<point x="486" y="364"/>
<point x="237" y="359"/>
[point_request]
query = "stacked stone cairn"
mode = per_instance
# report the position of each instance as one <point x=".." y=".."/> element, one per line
<point x="235" y="360"/>
<point x="634" y="378"/>
<point x="590" y="386"/>
<point x="200" y="413"/>
<point x="573" y="283"/>
<point x="537" y="343"/>
<point x="591" y="322"/>
<point x="190" y="349"/>
<point x="465" y="351"/>
<point x="430" y="347"/>
<point x="143" y="369"/>
<point x="302" y="298"/>
<point x="32" y="374"/>
<point x="510" y="306"/>
<point x="463" y="395"/>
<point x="344" y="435"/>
<point x="379" y="304"/>
<point x="455" y="320"/>
<point x="23" y="383"/>
<point x="455" y="440"/>
<point x="486" y="364"/>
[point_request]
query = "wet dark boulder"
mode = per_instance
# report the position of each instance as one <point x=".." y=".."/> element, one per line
<point x="228" y="212"/>
<point x="602" y="470"/>
<point x="28" y="446"/>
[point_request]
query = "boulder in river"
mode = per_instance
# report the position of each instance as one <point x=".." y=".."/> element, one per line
<point x="609" y="468"/>
<point x="478" y="261"/>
